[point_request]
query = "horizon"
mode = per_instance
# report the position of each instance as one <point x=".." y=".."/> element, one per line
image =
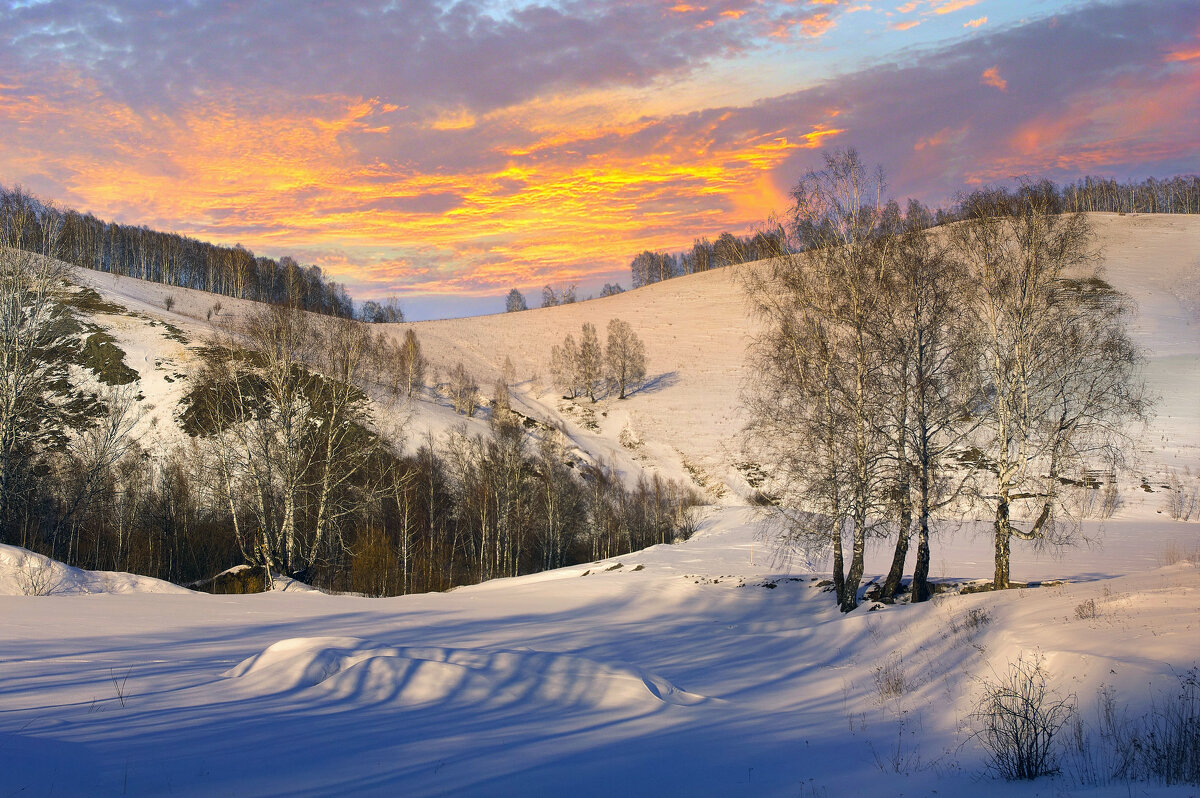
<point x="567" y="136"/>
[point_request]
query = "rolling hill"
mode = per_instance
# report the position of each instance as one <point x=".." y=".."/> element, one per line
<point x="710" y="667"/>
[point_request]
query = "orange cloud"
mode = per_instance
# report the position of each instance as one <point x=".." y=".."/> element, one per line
<point x="991" y="77"/>
<point x="949" y="6"/>
<point x="1182" y="55"/>
<point x="940" y="138"/>
<point x="277" y="180"/>
<point x="813" y="27"/>
<point x="906" y="25"/>
<point x="684" y="8"/>
<point x="975" y="23"/>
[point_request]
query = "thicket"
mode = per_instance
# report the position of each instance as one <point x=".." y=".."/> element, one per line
<point x="293" y="460"/>
<point x="36" y="225"/>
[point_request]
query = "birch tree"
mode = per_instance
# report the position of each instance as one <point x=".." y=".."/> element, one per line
<point x="624" y="357"/>
<point x="34" y="325"/>
<point x="818" y="399"/>
<point x="1060" y="371"/>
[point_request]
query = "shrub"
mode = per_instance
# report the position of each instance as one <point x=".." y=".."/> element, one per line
<point x="1162" y="746"/>
<point x="890" y="680"/>
<point x="1017" y="718"/>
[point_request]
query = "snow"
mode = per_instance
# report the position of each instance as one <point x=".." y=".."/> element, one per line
<point x="25" y="573"/>
<point x="711" y="667"/>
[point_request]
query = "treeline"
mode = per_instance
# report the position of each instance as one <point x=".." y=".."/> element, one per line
<point x="82" y="240"/>
<point x="1179" y="194"/>
<point x="905" y="372"/>
<point x="728" y="250"/>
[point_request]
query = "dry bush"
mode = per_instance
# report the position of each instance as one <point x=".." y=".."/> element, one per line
<point x="1183" y="494"/>
<point x="890" y="680"/>
<point x="1163" y="746"/>
<point x="36" y="577"/>
<point x="1017" y="718"/>
<point x="1087" y="610"/>
<point x="1174" y="552"/>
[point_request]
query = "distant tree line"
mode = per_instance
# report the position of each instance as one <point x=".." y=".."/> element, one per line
<point x="1179" y="194"/>
<point x="728" y="250"/>
<point x="514" y="301"/>
<point x="82" y="240"/>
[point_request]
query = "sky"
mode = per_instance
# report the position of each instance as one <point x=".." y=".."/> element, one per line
<point x="444" y="152"/>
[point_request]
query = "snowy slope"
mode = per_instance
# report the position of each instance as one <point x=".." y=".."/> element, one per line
<point x="697" y="674"/>
<point x="686" y="421"/>
<point x="705" y="668"/>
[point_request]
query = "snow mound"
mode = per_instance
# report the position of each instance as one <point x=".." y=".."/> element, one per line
<point x="24" y="573"/>
<point x="360" y="671"/>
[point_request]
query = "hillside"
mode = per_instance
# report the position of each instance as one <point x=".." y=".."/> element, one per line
<point x="696" y="330"/>
<point x="710" y="667"/>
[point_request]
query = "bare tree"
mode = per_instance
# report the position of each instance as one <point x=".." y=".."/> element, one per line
<point x="1060" y="372"/>
<point x="464" y="391"/>
<point x="564" y="366"/>
<point x="413" y="363"/>
<point x="590" y="365"/>
<point x="515" y="302"/>
<point x="33" y="324"/>
<point x="934" y="382"/>
<point x="819" y="397"/>
<point x="344" y="443"/>
<point x="624" y="356"/>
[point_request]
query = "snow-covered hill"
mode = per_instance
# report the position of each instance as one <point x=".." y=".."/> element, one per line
<point x="705" y="668"/>
<point x="685" y="422"/>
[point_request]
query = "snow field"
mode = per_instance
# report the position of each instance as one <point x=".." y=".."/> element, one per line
<point x="711" y="667"/>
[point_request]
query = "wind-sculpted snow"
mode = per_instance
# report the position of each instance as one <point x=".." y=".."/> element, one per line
<point x="347" y="669"/>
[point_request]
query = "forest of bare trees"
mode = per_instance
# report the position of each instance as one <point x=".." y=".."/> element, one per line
<point x="293" y="460"/>
<point x="36" y="225"/>
<point x="906" y="370"/>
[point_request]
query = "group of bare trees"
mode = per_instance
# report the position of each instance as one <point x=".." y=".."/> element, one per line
<point x="82" y="240"/>
<point x="586" y="368"/>
<point x="528" y="506"/>
<point x="294" y="460"/>
<point x="728" y="250"/>
<point x="905" y="370"/>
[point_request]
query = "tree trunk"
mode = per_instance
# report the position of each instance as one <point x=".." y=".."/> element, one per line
<point x="1003" y="540"/>
<point x="891" y="585"/>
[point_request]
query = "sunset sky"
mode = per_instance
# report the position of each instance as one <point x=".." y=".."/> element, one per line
<point x="444" y="152"/>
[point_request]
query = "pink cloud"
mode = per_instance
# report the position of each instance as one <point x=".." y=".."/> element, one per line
<point x="991" y="77"/>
